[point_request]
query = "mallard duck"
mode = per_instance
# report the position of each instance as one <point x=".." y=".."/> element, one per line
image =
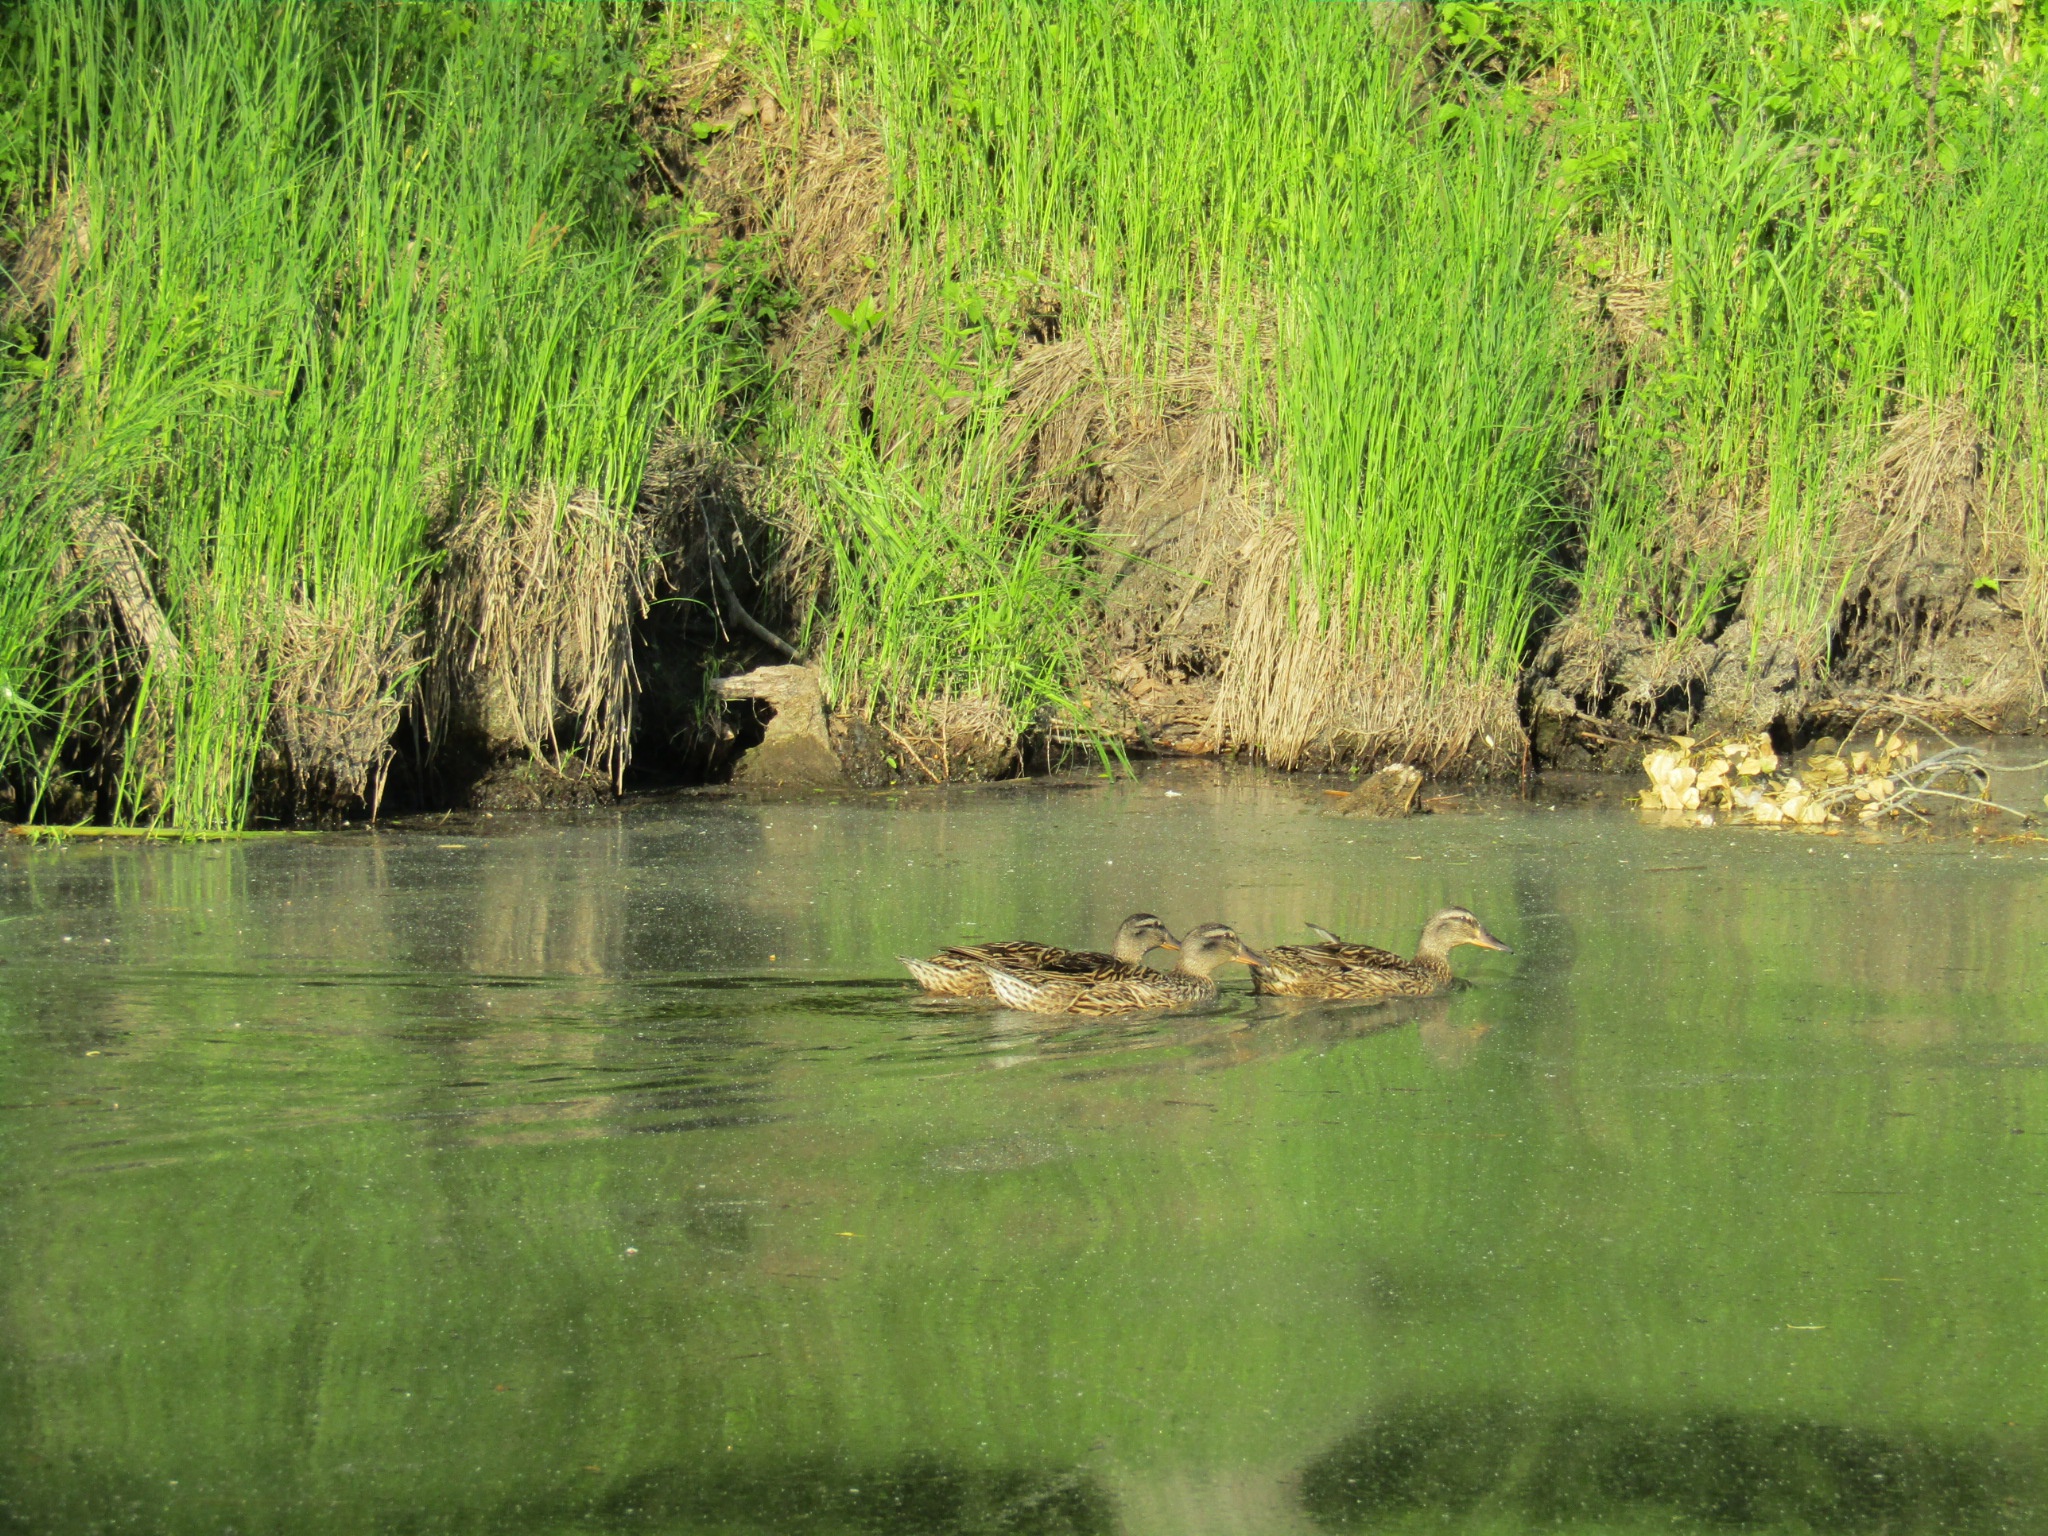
<point x="1334" y="968"/>
<point x="962" y="971"/>
<point x="1192" y="981"/>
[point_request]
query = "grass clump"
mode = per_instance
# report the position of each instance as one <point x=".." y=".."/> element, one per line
<point x="1429" y="381"/>
<point x="349" y="276"/>
<point x="952" y="609"/>
<point x="1823" y="249"/>
<point x="1233" y="211"/>
<point x="1701" y="323"/>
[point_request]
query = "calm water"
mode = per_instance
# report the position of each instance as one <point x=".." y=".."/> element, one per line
<point x="605" y="1174"/>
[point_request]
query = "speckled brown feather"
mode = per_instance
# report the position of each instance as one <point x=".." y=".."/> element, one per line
<point x="1043" y="992"/>
<point x="1336" y="969"/>
<point x="1346" y="970"/>
<point x="962" y="970"/>
<point x="1187" y="985"/>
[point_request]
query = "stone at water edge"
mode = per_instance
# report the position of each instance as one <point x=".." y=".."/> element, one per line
<point x="797" y="748"/>
<point x="1390" y="792"/>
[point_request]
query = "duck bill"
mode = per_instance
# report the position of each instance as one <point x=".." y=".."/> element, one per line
<point x="1486" y="940"/>
<point x="1172" y="944"/>
<point x="1246" y="956"/>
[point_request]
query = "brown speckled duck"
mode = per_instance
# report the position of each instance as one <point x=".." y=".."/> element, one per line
<point x="962" y="971"/>
<point x="1334" y="968"/>
<point x="1202" y="951"/>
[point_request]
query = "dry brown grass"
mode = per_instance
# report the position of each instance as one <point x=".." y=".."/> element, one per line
<point x="533" y="625"/>
<point x="1926" y="591"/>
<point x="1616" y="287"/>
<point x="819" y="185"/>
<point x="63" y="236"/>
<point x="1302" y="694"/>
<point x="1921" y="497"/>
<point x="957" y="738"/>
<point x="1932" y="562"/>
<point x="339" y="678"/>
<point x="117" y="564"/>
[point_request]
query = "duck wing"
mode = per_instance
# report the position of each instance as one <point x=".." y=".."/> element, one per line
<point x="1141" y="993"/>
<point x="1337" y="951"/>
<point x="962" y="970"/>
<point x="947" y="975"/>
<point x="1331" y="969"/>
<point x="1134" y="989"/>
<point x="1010" y="954"/>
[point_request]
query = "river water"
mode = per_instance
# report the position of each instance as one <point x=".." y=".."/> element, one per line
<point x="603" y="1172"/>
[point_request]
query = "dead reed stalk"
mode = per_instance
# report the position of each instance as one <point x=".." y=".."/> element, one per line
<point x="533" y="629"/>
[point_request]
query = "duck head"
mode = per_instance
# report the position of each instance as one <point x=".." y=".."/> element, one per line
<point x="1139" y="935"/>
<point x="1211" y="945"/>
<point x="1454" y="926"/>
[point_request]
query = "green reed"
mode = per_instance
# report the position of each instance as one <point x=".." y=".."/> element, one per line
<point x="1238" y="208"/>
<point x="1831" y="258"/>
<point x="380" y="260"/>
<point x="1426" y="386"/>
<point x="1371" y="274"/>
<point x="944" y="588"/>
<point x="336" y="273"/>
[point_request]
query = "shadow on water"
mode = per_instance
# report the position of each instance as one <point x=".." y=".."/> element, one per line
<point x="817" y="1496"/>
<point x="918" y="1496"/>
<point x="1471" y="1462"/>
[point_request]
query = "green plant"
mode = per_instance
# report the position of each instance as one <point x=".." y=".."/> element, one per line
<point x="340" y="275"/>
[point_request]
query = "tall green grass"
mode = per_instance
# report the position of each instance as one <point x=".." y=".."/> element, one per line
<point x="1240" y="208"/>
<point x="354" y="267"/>
<point x="338" y="275"/>
<point x="1157" y="164"/>
<point x="1372" y="269"/>
<point x="944" y="589"/>
<point x="1428" y="381"/>
<point x="1829" y="267"/>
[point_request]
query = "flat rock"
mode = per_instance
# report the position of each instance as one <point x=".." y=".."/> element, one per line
<point x="1390" y="792"/>
<point x="796" y="751"/>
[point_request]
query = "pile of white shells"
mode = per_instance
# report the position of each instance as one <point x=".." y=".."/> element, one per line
<point x="1739" y="780"/>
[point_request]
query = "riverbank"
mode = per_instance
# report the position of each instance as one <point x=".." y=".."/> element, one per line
<point x="1488" y="388"/>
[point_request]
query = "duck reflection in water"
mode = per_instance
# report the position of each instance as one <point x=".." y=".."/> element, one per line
<point x="1286" y="1025"/>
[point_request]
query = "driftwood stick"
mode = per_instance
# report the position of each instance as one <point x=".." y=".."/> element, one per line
<point x="108" y="547"/>
<point x="732" y="599"/>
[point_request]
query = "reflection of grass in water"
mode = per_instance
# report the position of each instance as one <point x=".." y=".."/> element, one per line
<point x="1483" y="1464"/>
<point x="1650" y="1136"/>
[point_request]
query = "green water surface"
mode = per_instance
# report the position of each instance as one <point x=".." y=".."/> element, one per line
<point x="605" y="1174"/>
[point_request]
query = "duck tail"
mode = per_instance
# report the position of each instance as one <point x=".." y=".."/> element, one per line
<point x="931" y="975"/>
<point x="1322" y="933"/>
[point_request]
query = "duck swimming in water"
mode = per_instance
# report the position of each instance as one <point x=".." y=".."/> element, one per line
<point x="1202" y="951"/>
<point x="1335" y="968"/>
<point x="962" y="971"/>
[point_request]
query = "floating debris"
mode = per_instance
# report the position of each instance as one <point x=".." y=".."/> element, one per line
<point x="1740" y="781"/>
